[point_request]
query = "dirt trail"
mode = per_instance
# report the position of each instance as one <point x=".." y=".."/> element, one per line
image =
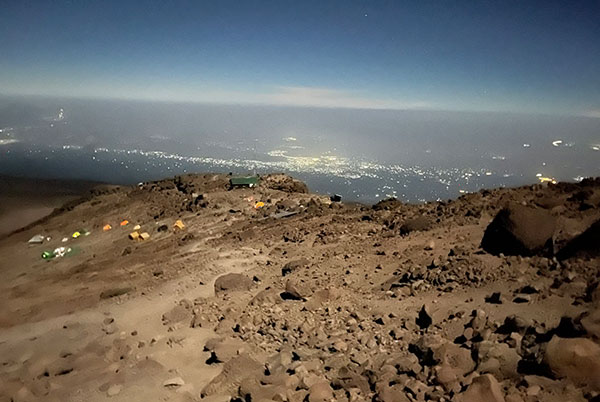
<point x="119" y="327"/>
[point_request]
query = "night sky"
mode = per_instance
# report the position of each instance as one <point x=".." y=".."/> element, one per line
<point x="524" y="56"/>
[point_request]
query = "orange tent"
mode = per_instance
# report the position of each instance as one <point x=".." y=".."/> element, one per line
<point x="107" y="227"/>
<point x="125" y="222"/>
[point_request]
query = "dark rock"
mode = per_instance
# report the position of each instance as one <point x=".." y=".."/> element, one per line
<point x="424" y="320"/>
<point x="512" y="324"/>
<point x="494" y="298"/>
<point x="521" y="299"/>
<point x="584" y="245"/>
<point x="420" y="223"/>
<point x="336" y="198"/>
<point x="568" y="328"/>
<point x="519" y="230"/>
<point x="232" y="282"/>
<point x="528" y="290"/>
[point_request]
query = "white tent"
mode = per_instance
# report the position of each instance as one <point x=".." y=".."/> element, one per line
<point x="37" y="239"/>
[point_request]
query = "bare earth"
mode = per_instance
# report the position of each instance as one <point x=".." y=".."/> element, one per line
<point x="338" y="302"/>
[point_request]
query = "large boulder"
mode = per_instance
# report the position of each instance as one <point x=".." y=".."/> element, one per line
<point x="575" y="358"/>
<point x="584" y="245"/>
<point x="232" y="282"/>
<point x="520" y="230"/>
<point x="454" y="363"/>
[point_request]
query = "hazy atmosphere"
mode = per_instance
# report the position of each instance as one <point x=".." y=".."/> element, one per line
<point x="299" y="201"/>
<point x="419" y="100"/>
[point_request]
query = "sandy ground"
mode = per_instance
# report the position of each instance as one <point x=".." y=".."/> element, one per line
<point x="336" y="302"/>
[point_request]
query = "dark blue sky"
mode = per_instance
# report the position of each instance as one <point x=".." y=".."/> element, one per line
<point x="473" y="55"/>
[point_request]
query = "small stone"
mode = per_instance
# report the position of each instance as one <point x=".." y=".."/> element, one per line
<point x="114" y="292"/>
<point x="174" y="382"/>
<point x="522" y="299"/>
<point x="114" y="390"/>
<point x="534" y="390"/>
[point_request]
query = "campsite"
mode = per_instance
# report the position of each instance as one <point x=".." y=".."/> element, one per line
<point x="303" y="298"/>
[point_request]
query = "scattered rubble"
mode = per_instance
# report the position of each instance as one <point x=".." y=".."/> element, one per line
<point x="490" y="297"/>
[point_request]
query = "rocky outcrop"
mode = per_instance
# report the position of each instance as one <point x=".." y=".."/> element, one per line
<point x="519" y="230"/>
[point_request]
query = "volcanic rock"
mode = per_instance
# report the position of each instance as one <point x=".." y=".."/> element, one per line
<point x="577" y="359"/>
<point x="232" y="282"/>
<point x="484" y="388"/>
<point x="414" y="225"/>
<point x="424" y="320"/>
<point x="177" y="314"/>
<point x="296" y="290"/>
<point x="591" y="323"/>
<point x="519" y="230"/>
<point x="584" y="245"/>
<point x="293" y="266"/>
<point x="498" y="359"/>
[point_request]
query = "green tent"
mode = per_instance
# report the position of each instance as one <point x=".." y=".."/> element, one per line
<point x="244" y="181"/>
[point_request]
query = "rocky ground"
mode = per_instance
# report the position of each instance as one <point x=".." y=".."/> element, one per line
<point x="490" y="297"/>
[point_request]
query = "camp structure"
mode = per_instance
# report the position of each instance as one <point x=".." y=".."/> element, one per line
<point x="134" y="235"/>
<point x="178" y="224"/>
<point x="244" y="181"/>
<point x="336" y="198"/>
